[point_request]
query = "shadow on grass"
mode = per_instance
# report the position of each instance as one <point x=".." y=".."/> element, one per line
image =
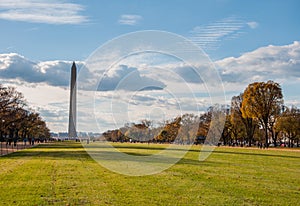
<point x="220" y="152"/>
<point x="158" y="147"/>
<point x="255" y="154"/>
<point x="68" y="145"/>
<point x="72" y="150"/>
<point x="52" y="151"/>
<point x="139" y="147"/>
<point x="50" y="154"/>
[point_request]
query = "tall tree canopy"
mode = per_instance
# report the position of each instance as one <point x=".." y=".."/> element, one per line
<point x="16" y="119"/>
<point x="262" y="101"/>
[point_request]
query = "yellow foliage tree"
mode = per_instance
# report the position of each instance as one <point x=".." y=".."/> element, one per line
<point x="241" y="126"/>
<point x="262" y="101"/>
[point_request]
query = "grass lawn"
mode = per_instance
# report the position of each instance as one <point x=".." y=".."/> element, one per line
<point x="64" y="174"/>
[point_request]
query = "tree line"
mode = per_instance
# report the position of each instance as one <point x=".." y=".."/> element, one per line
<point x="257" y="116"/>
<point x="17" y="121"/>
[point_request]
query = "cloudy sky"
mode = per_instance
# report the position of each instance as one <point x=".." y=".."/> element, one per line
<point x="126" y="77"/>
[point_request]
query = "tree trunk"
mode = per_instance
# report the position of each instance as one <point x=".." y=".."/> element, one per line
<point x="275" y="139"/>
<point x="266" y="136"/>
<point x="250" y="134"/>
<point x="274" y="136"/>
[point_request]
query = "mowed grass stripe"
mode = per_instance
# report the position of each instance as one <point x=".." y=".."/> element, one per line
<point x="64" y="174"/>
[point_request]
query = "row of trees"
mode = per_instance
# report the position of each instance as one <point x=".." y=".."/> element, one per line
<point x="17" y="122"/>
<point x="256" y="116"/>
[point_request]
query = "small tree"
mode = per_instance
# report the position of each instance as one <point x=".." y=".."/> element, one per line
<point x="169" y="131"/>
<point x="188" y="129"/>
<point x="241" y="125"/>
<point x="289" y="123"/>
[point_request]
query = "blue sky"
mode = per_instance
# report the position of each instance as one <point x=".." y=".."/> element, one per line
<point x="277" y="23"/>
<point x="246" y="40"/>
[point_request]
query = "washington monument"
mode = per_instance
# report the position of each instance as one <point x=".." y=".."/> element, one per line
<point x="72" y="112"/>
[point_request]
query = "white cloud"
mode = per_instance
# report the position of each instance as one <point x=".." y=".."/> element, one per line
<point x="55" y="73"/>
<point x="252" y="24"/>
<point x="209" y="36"/>
<point x="279" y="63"/>
<point x="122" y="78"/>
<point x="41" y="11"/>
<point x="157" y="105"/>
<point x="129" y="19"/>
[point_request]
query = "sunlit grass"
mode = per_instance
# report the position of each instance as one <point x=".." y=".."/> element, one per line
<point x="64" y="174"/>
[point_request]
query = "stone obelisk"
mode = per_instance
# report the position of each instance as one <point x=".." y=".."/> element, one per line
<point x="72" y="112"/>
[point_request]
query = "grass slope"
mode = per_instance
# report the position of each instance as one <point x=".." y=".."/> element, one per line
<point x="64" y="174"/>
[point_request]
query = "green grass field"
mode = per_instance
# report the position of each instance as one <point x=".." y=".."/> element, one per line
<point x="64" y="174"/>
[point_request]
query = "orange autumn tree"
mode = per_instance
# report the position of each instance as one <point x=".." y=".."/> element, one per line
<point x="263" y="102"/>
